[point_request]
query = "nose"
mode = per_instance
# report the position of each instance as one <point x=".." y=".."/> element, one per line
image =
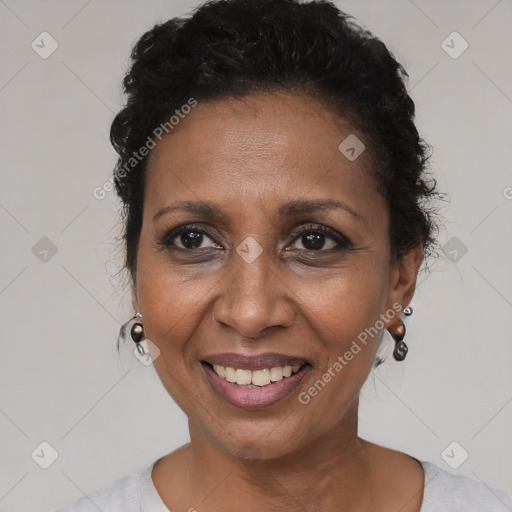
<point x="253" y="297"/>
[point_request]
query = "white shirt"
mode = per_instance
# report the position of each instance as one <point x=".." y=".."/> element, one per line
<point x="443" y="492"/>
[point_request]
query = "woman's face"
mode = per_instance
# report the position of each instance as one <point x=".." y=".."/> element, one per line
<point x="282" y="260"/>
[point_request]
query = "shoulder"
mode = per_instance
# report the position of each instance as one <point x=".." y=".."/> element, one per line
<point x="447" y="492"/>
<point x="121" y="496"/>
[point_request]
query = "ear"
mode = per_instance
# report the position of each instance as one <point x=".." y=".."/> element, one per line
<point x="404" y="273"/>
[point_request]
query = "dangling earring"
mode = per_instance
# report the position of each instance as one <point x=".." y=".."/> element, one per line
<point x="137" y="333"/>
<point x="398" y="335"/>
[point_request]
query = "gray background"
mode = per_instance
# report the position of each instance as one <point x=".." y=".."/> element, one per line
<point x="61" y="379"/>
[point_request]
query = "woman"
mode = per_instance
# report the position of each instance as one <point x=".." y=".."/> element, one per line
<point x="276" y="206"/>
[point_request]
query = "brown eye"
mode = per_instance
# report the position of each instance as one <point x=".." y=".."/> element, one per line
<point x="318" y="238"/>
<point x="189" y="237"/>
<point x="315" y="242"/>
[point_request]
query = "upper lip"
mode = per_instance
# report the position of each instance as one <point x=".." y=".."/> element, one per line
<point x="256" y="362"/>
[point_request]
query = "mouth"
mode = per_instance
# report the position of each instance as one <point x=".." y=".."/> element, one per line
<point x="254" y="378"/>
<point x="252" y="382"/>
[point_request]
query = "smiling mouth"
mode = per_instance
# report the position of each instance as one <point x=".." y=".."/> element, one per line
<point x="255" y="378"/>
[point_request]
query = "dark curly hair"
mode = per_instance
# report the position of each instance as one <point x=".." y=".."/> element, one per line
<point x="232" y="48"/>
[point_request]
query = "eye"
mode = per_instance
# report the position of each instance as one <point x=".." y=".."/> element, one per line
<point x="318" y="238"/>
<point x="313" y="237"/>
<point x="190" y="237"/>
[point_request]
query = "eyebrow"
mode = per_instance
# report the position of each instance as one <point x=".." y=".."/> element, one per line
<point x="197" y="207"/>
<point x="299" y="207"/>
<point x="289" y="209"/>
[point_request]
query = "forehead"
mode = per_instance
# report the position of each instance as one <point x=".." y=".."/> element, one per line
<point x="278" y="146"/>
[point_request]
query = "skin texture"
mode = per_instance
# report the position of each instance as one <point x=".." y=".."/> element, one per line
<point x="249" y="157"/>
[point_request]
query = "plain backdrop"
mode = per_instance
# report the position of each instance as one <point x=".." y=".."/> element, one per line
<point x="102" y="417"/>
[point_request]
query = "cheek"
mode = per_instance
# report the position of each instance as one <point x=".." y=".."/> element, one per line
<point x="343" y="322"/>
<point x="345" y="312"/>
<point x="343" y="306"/>
<point x="171" y="315"/>
<point x="172" y="308"/>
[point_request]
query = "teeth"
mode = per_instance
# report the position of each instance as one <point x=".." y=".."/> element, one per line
<point x="229" y="374"/>
<point x="275" y="374"/>
<point x="220" y="370"/>
<point x="243" y="377"/>
<point x="257" y="377"/>
<point x="261" y="377"/>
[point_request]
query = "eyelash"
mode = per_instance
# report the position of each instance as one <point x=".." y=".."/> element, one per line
<point x="342" y="242"/>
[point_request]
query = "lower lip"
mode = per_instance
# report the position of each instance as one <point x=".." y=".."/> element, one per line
<point x="257" y="397"/>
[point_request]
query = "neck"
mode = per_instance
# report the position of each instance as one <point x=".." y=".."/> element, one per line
<point x="330" y="473"/>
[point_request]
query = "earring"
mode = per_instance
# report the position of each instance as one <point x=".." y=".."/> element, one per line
<point x="398" y="335"/>
<point x="137" y="333"/>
